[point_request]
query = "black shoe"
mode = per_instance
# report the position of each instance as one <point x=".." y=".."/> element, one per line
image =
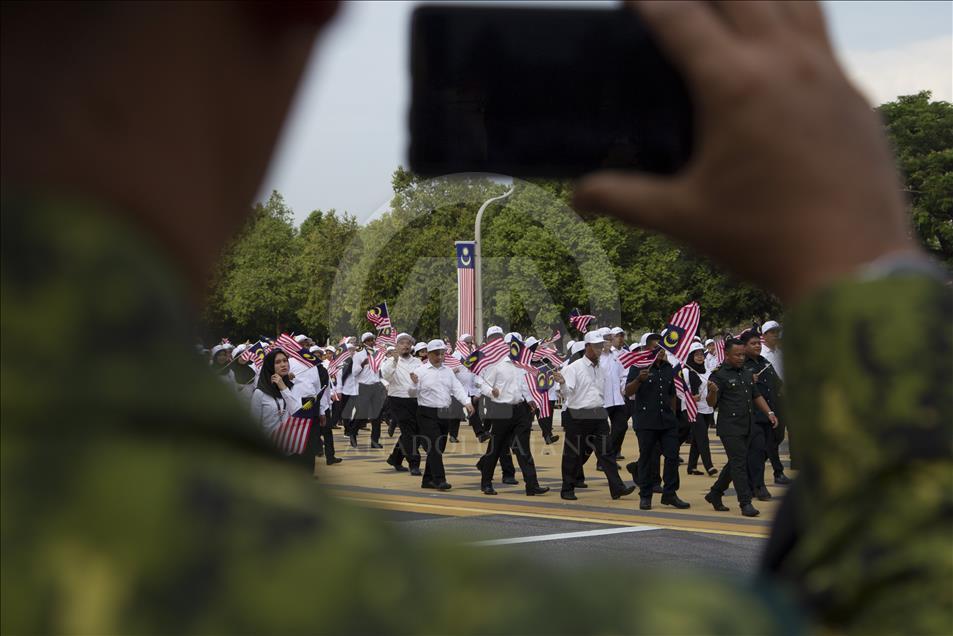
<point x="510" y="481"/>
<point x="762" y="494"/>
<point x="320" y="453"/>
<point x="715" y="500"/>
<point x="680" y="460"/>
<point x="620" y="456"/>
<point x="537" y="490"/>
<point x="645" y="503"/>
<point x="553" y="439"/>
<point x="712" y="471"/>
<point x="443" y="486"/>
<point x="390" y="430"/>
<point x="633" y="468"/>
<point x="428" y="484"/>
<point x="749" y="511"/>
<point x="599" y="468"/>
<point x="483" y="437"/>
<point x="453" y="440"/>
<point x="673" y="500"/>
<point x="693" y="471"/>
<point x="625" y="492"/>
<point x="581" y="484"/>
<point x="487" y="490"/>
<point x="376" y="445"/>
<point x="353" y="439"/>
<point x="397" y="465"/>
<point x="657" y="489"/>
<point x="415" y="472"/>
<point x="781" y="479"/>
<point x="334" y="460"/>
<point x="568" y="495"/>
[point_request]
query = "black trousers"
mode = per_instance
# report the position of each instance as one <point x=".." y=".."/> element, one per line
<point x="736" y="470"/>
<point x="433" y="436"/>
<point x="476" y="422"/>
<point x="618" y="423"/>
<point x="454" y="428"/>
<point x="700" y="446"/>
<point x="758" y="453"/>
<point x="667" y="441"/>
<point x="774" y="443"/>
<point x="508" y="434"/>
<point x="506" y="457"/>
<point x="404" y="411"/>
<point x="592" y="435"/>
<point x="370" y="404"/>
<point x="546" y="423"/>
<point x="324" y="440"/>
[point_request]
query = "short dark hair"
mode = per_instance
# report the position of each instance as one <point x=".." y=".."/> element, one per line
<point x="732" y="342"/>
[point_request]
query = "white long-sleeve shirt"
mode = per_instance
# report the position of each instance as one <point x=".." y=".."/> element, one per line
<point x="397" y="373"/>
<point x="365" y="375"/>
<point x="774" y="357"/>
<point x="470" y="381"/>
<point x="436" y="386"/>
<point x="271" y="412"/>
<point x="308" y="383"/>
<point x="614" y="375"/>
<point x="583" y="385"/>
<point x="509" y="379"/>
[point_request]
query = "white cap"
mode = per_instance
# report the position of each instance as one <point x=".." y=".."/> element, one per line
<point x="604" y="331"/>
<point x="615" y="331"/>
<point x="569" y="344"/>
<point x="513" y="334"/>
<point x="577" y="347"/>
<point x="391" y="347"/>
<point x="300" y="338"/>
<point x="768" y="326"/>
<point x="634" y="346"/>
<point x="436" y="345"/>
<point x="348" y="346"/>
<point x="228" y="345"/>
<point x="420" y="346"/>
<point x="494" y="330"/>
<point x="315" y="349"/>
<point x="531" y="341"/>
<point x="696" y="346"/>
<point x="366" y="335"/>
<point x="594" y="337"/>
<point x="464" y="337"/>
<point x="645" y="338"/>
<point x="403" y="334"/>
<point x="709" y="341"/>
<point x="238" y="350"/>
<point x="217" y="348"/>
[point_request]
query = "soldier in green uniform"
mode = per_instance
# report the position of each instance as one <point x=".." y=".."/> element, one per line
<point x="768" y="384"/>
<point x="732" y="388"/>
<point x="134" y="137"/>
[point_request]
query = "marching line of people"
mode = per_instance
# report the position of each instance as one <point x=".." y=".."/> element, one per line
<point x="423" y="391"/>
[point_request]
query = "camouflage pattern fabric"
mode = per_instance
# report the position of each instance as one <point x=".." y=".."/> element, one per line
<point x="137" y="498"/>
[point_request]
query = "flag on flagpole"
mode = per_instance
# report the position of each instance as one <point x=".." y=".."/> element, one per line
<point x="720" y="350"/>
<point x="680" y="330"/>
<point x="375" y="361"/>
<point x="547" y="354"/>
<point x="451" y="361"/>
<point x="466" y="262"/>
<point x="638" y="359"/>
<point x="386" y="336"/>
<point x="579" y="321"/>
<point x="540" y="381"/>
<point x="553" y="338"/>
<point x="291" y="436"/>
<point x="463" y="348"/>
<point x="685" y="395"/>
<point x="337" y="362"/>
<point x="520" y="354"/>
<point x="295" y="350"/>
<point x="489" y="353"/>
<point x="378" y="316"/>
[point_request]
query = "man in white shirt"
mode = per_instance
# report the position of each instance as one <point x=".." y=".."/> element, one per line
<point x="613" y="397"/>
<point x="585" y="419"/>
<point x="771" y="351"/>
<point x="436" y="386"/>
<point x="507" y="468"/>
<point x="402" y="396"/>
<point x="711" y="357"/>
<point x="509" y="417"/>
<point x="347" y="382"/>
<point x="371" y="393"/>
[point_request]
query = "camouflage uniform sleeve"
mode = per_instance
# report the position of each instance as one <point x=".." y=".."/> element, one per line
<point x="873" y="418"/>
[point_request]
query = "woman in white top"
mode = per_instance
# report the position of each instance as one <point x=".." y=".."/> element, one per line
<point x="696" y="374"/>
<point x="273" y="400"/>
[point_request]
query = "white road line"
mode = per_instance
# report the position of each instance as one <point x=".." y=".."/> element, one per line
<point x="564" y="535"/>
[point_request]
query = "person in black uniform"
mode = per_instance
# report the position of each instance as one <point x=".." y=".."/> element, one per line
<point x="762" y="434"/>
<point x="732" y="389"/>
<point x="656" y="423"/>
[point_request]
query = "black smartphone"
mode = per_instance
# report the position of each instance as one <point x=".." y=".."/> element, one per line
<point x="542" y="92"/>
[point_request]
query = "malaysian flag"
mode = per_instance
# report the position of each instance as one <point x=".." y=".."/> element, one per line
<point x="638" y="359"/>
<point x="680" y="330"/>
<point x="465" y="289"/>
<point x="295" y="350"/>
<point x="451" y="361"/>
<point x="683" y="394"/>
<point x="386" y="336"/>
<point x="378" y="316"/>
<point x="553" y="338"/>
<point x="520" y="354"/>
<point x="291" y="436"/>
<point x="720" y="350"/>
<point x="579" y="321"/>
<point x="463" y="348"/>
<point x="540" y="381"/>
<point x="376" y="359"/>
<point x="340" y="357"/>
<point x="250" y="353"/>
<point x="225" y="342"/>
<point x="547" y="354"/>
<point x="489" y="353"/>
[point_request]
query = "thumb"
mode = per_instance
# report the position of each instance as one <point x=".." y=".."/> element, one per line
<point x="652" y="202"/>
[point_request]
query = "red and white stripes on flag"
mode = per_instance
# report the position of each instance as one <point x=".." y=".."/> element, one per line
<point x="680" y="330"/>
<point x="386" y="336"/>
<point x="379" y="316"/>
<point x="292" y="349"/>
<point x="451" y="361"/>
<point x="548" y="354"/>
<point x="638" y="359"/>
<point x="579" y="321"/>
<point x="489" y="353"/>
<point x="685" y="395"/>
<point x="720" y="350"/>
<point x="376" y="359"/>
<point x="339" y="360"/>
<point x="466" y="262"/>
<point x="463" y="348"/>
<point x="291" y="436"/>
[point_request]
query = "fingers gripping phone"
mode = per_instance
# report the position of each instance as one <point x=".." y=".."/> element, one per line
<point x="542" y="92"/>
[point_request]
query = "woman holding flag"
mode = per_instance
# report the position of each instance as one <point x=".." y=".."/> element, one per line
<point x="695" y="375"/>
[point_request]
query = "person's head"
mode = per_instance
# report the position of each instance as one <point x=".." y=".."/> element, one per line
<point x="137" y="99"/>
<point x="594" y="345"/>
<point x="404" y="344"/>
<point x="734" y="353"/>
<point x="710" y="346"/>
<point x="467" y="338"/>
<point x="494" y="333"/>
<point x="771" y="331"/>
<point x="221" y="356"/>
<point x="618" y="337"/>
<point x="652" y="341"/>
<point x="698" y="356"/>
<point x="275" y="361"/>
<point x="368" y="339"/>
<point x="752" y="342"/>
<point x="420" y="350"/>
<point x="435" y="351"/>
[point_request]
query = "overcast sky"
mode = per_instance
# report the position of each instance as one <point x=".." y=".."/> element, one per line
<point x="347" y="131"/>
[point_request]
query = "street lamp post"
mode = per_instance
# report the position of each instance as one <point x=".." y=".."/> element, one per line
<point x="478" y="267"/>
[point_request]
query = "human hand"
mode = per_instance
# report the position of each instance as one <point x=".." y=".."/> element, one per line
<point x="413" y="377"/>
<point x="469" y="409"/>
<point x="322" y="420"/>
<point x="278" y="381"/>
<point x="773" y="419"/>
<point x="788" y="159"/>
<point x="496" y="392"/>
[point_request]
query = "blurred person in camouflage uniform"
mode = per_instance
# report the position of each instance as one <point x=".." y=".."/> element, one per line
<point x="136" y="498"/>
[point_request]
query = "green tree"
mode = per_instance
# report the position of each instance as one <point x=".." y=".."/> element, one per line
<point x="922" y="135"/>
